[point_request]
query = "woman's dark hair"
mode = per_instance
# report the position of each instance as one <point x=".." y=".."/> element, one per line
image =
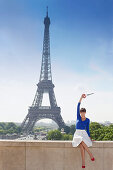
<point x="82" y="110"/>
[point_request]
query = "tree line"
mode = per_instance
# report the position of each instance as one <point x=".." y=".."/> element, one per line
<point x="98" y="131"/>
<point x="9" y="128"/>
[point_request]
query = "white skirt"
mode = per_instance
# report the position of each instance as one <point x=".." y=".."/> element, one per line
<point x="79" y="136"/>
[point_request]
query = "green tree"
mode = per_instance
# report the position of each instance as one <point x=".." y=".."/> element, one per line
<point x="94" y="126"/>
<point x="67" y="137"/>
<point x="67" y="129"/>
<point x="10" y="125"/>
<point x="3" y="125"/>
<point x="1" y="131"/>
<point x="72" y="129"/>
<point x="54" y="135"/>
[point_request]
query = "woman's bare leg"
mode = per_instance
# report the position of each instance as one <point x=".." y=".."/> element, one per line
<point x="87" y="149"/>
<point x="82" y="153"/>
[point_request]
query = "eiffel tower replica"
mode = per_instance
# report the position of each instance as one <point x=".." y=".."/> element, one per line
<point x="45" y="85"/>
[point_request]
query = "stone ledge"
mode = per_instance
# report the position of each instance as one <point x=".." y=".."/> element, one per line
<point x="53" y="155"/>
<point x="52" y="143"/>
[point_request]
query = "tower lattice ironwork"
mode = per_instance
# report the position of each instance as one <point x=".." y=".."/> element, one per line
<point x="45" y="85"/>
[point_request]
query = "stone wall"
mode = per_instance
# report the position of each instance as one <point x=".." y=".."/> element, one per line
<point x="53" y="155"/>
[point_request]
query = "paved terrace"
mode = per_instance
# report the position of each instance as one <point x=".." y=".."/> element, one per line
<point x="53" y="155"/>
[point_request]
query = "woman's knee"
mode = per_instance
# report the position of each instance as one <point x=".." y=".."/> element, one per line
<point x="81" y="145"/>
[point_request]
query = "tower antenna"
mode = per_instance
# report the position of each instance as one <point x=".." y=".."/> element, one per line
<point x="47" y="11"/>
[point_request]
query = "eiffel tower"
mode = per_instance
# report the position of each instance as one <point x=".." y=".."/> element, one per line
<point x="45" y="85"/>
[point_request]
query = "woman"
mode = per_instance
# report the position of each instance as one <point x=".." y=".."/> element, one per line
<point x="81" y="136"/>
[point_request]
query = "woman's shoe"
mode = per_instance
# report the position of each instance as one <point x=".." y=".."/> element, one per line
<point x="83" y="166"/>
<point x="93" y="159"/>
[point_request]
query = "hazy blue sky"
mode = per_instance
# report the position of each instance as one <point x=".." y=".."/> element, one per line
<point x="81" y="36"/>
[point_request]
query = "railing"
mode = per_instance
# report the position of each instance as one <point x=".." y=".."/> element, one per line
<point x="44" y="107"/>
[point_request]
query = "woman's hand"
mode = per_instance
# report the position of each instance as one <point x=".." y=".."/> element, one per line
<point x="83" y="96"/>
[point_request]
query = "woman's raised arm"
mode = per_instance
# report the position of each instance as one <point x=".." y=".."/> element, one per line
<point x="78" y="106"/>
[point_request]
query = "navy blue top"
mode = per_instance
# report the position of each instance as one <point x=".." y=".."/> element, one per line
<point x="84" y="125"/>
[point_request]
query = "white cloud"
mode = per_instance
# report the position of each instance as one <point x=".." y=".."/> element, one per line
<point x="98" y="70"/>
<point x="70" y="86"/>
<point x="17" y="94"/>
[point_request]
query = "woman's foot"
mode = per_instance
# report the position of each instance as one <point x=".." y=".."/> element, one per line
<point x="83" y="166"/>
<point x="93" y="159"/>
